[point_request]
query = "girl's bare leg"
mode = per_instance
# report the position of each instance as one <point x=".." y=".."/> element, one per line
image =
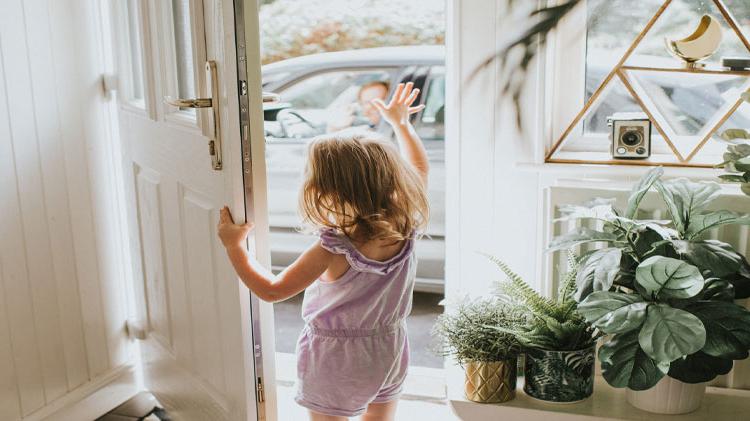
<point x="316" y="416"/>
<point x="381" y="411"/>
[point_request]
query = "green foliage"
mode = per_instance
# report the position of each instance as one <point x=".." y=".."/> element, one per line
<point x="293" y="28"/>
<point x="663" y="277"/>
<point x="625" y="364"/>
<point x="662" y="292"/>
<point x="470" y="331"/>
<point x="515" y="57"/>
<point x="551" y="324"/>
<point x="737" y="156"/>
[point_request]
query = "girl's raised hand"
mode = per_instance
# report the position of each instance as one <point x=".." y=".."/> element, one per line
<point x="398" y="110"/>
<point x="231" y="234"/>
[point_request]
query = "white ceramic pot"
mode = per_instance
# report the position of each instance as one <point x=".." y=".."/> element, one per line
<point x="669" y="396"/>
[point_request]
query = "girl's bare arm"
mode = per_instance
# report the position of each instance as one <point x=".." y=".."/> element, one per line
<point x="267" y="286"/>
<point x="397" y="113"/>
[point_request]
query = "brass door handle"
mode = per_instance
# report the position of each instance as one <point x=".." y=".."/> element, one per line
<point x="214" y="133"/>
<point x="189" y="102"/>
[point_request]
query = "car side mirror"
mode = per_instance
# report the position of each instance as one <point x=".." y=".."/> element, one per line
<point x="271" y="111"/>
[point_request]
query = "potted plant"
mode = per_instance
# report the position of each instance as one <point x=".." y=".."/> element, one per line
<point x="662" y="293"/>
<point x="558" y="342"/>
<point x="489" y="357"/>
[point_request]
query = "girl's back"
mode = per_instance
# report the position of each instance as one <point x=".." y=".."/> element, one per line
<point x="370" y="293"/>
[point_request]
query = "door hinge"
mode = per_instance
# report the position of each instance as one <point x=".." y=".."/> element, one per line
<point x="261" y="392"/>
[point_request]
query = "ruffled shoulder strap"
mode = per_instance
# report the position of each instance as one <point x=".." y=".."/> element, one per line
<point x="338" y="243"/>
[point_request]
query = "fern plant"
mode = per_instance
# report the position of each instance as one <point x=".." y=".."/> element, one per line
<point x="552" y="324"/>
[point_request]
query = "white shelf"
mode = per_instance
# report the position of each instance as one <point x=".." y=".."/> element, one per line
<point x="607" y="403"/>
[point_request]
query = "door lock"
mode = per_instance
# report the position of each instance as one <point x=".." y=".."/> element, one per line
<point x="214" y="145"/>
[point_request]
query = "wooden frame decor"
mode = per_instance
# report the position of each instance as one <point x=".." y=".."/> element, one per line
<point x="622" y="71"/>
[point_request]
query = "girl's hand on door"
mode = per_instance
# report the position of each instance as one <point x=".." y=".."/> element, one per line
<point x="397" y="112"/>
<point x="232" y="234"/>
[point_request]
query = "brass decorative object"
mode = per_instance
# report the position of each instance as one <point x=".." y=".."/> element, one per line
<point x="699" y="45"/>
<point x="622" y="72"/>
<point x="490" y="382"/>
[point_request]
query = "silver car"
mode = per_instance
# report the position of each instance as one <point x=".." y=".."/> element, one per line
<point x="314" y="90"/>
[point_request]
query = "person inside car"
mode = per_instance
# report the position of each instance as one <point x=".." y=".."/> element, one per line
<point x="362" y="114"/>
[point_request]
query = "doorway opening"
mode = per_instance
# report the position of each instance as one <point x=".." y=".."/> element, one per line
<point x="326" y="59"/>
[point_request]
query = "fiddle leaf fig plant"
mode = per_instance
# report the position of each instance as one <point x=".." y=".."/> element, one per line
<point x="662" y="293"/>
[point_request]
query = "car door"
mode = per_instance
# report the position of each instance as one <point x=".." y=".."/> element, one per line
<point x="186" y="129"/>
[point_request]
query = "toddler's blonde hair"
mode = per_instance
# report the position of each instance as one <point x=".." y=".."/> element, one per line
<point x="358" y="184"/>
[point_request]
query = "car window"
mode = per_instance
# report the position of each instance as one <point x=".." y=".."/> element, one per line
<point x="431" y="124"/>
<point x="327" y="102"/>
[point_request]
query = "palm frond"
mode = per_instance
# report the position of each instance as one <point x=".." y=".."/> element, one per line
<point x="529" y="42"/>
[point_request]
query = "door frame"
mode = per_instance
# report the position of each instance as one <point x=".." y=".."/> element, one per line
<point x="254" y="195"/>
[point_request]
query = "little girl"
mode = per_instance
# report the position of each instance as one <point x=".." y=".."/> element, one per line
<point x="367" y="204"/>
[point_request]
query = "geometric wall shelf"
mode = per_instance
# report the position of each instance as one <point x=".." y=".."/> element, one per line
<point x="684" y="141"/>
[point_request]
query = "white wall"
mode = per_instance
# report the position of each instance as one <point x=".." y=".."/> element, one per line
<point x="62" y="301"/>
<point x="497" y="202"/>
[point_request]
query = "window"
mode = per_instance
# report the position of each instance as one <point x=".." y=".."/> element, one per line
<point x="183" y="51"/>
<point x="431" y="124"/>
<point x="329" y="101"/>
<point x="688" y="104"/>
<point x="134" y="60"/>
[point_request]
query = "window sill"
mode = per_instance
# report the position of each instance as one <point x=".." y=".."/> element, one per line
<point x="607" y="403"/>
<point x="614" y="169"/>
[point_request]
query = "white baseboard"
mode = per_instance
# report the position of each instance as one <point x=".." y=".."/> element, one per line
<point x="93" y="399"/>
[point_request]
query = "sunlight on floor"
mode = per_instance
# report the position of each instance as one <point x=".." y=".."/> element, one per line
<point x="407" y="409"/>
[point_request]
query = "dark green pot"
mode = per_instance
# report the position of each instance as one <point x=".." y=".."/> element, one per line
<point x="559" y="376"/>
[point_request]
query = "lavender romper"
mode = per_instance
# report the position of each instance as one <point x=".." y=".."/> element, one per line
<point x="353" y="350"/>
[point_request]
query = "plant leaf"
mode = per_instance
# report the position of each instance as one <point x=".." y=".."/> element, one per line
<point x="640" y="189"/>
<point x="741" y="280"/>
<point x="727" y="328"/>
<point x="664" y="277"/>
<point x="685" y="198"/>
<point x="718" y="290"/>
<point x="670" y="333"/>
<point x="613" y="312"/>
<point x="599" y="208"/>
<point x="597" y="272"/>
<point x="742" y="164"/>
<point x="716" y="256"/>
<point x="624" y="364"/>
<point x="733" y="178"/>
<point x="579" y="236"/>
<point x="699" y="368"/>
<point x="701" y="223"/>
<point x="732" y="135"/>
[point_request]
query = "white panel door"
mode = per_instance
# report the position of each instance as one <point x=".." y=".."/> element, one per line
<point x="198" y="356"/>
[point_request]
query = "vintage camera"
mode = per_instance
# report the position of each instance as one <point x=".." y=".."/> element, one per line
<point x="630" y="136"/>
